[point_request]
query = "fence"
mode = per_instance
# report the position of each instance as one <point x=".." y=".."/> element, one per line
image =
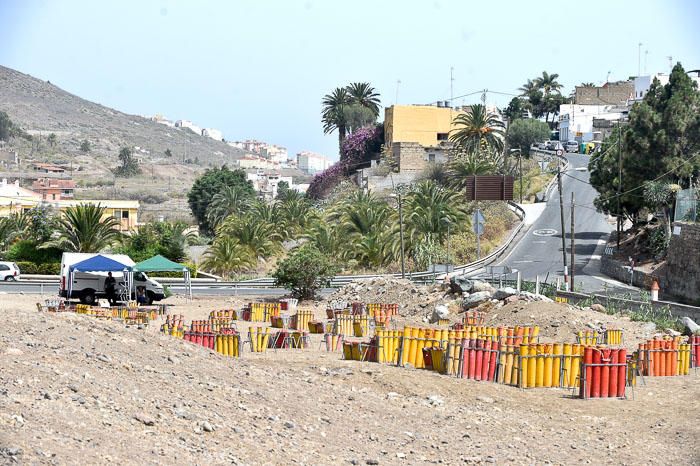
<point x="687" y="203"/>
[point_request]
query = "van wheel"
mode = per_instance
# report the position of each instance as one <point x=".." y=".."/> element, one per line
<point x="10" y="278"/>
<point x="149" y="298"/>
<point x="87" y="297"/>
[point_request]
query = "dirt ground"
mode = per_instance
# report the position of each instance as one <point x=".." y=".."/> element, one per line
<point x="77" y="390"/>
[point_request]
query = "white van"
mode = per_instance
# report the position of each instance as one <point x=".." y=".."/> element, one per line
<point x="9" y="271"/>
<point x="90" y="286"/>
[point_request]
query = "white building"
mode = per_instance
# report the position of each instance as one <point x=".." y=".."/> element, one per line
<point x="253" y="161"/>
<point x="577" y="122"/>
<point x="213" y="134"/>
<point x="274" y="153"/>
<point x="189" y="125"/>
<point x="310" y="162"/>
<point x="643" y="83"/>
<point x="266" y="183"/>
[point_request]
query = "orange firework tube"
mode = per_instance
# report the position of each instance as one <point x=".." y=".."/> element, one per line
<point x="587" y="359"/>
<point x="413" y="347"/>
<point x="557" y="349"/>
<point x="539" y="381"/>
<point x="621" y="371"/>
<point x="532" y="366"/>
<point x="492" y="362"/>
<point x="641" y="360"/>
<point x="472" y="358"/>
<point x="523" y="366"/>
<point x="548" y="366"/>
<point x="597" y="373"/>
<point x="614" y="372"/>
<point x="486" y="346"/>
<point x="671" y="356"/>
<point x="509" y="336"/>
<point x="519" y="335"/>
<point x="605" y="358"/>
<point x="508" y="373"/>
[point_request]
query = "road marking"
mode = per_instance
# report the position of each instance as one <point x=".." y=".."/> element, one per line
<point x="539" y="242"/>
<point x="595" y="257"/>
<point x="545" y="232"/>
<point x="522" y="262"/>
<point x="602" y="241"/>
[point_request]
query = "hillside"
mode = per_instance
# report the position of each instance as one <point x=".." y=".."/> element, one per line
<point x="41" y="108"/>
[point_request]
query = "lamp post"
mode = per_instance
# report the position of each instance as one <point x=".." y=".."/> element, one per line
<point x="397" y="195"/>
<point x="520" y="169"/>
<point x="448" y="222"/>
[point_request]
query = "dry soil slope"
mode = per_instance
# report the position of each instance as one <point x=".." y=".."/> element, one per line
<point x="41" y="106"/>
<point x="73" y="389"/>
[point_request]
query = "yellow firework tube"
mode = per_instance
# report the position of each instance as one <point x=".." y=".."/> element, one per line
<point x="381" y="343"/>
<point x="539" y="380"/>
<point x="405" y="345"/>
<point x="567" y="365"/>
<point x="510" y="369"/>
<point x="224" y="344"/>
<point x="576" y="354"/>
<point x="396" y="346"/>
<point x="347" y="350"/>
<point x="502" y="366"/>
<point x="557" y="351"/>
<point x="252" y="333"/>
<point x="412" y="335"/>
<point x="420" y="344"/>
<point x="524" y="366"/>
<point x="532" y="366"/>
<point x="217" y="344"/>
<point x="548" y="365"/>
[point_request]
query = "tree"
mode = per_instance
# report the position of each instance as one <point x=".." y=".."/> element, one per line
<point x="523" y="133"/>
<point x="260" y="237"/>
<point x="333" y="113"/>
<point x="364" y="95"/>
<point x="431" y="209"/>
<point x="661" y="143"/>
<point x="282" y="189"/>
<point x="304" y="272"/>
<point x="588" y="84"/>
<point x="52" y="139"/>
<point x="209" y="185"/>
<point x="227" y="256"/>
<point x="478" y="130"/>
<point x="85" y="228"/>
<point x="517" y="108"/>
<point x="462" y="165"/>
<point x="228" y="201"/>
<point x="85" y="146"/>
<point x="129" y="165"/>
<point x="548" y="83"/>
<point x="6" y="127"/>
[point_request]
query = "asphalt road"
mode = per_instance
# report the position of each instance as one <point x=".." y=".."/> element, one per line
<point x="539" y="251"/>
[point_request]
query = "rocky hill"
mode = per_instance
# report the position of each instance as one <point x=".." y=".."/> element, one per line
<point x="41" y="108"/>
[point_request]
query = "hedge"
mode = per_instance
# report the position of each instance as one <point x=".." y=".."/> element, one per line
<point x="49" y="268"/>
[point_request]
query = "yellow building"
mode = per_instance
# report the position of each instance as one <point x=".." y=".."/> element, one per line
<point x="14" y="198"/>
<point x="427" y="125"/>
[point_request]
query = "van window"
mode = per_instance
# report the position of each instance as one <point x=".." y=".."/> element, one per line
<point x="139" y="277"/>
<point x="4" y="267"/>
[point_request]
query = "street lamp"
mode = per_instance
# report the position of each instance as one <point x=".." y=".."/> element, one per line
<point x="397" y="196"/>
<point x="520" y="169"/>
<point x="448" y="222"/>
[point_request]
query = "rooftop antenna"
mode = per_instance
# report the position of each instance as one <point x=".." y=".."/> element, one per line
<point x="646" y="54"/>
<point x="483" y="97"/>
<point x="396" y="102"/>
<point x="607" y="78"/>
<point x="670" y="64"/>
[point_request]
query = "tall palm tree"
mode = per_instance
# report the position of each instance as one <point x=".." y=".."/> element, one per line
<point x="431" y="208"/>
<point x="478" y="130"/>
<point x="230" y="200"/>
<point x="82" y="228"/>
<point x="364" y="95"/>
<point x="463" y="165"/>
<point x="528" y="88"/>
<point x="260" y="237"/>
<point x="175" y="238"/>
<point x="227" y="256"/>
<point x="333" y="113"/>
<point x="548" y="83"/>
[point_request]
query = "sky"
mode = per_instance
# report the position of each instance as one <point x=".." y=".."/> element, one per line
<point x="258" y="69"/>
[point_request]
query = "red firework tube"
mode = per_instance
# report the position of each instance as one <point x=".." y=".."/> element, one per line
<point x="479" y="359"/>
<point x="472" y="357"/>
<point x="587" y="360"/>
<point x="605" y="358"/>
<point x="595" y="385"/>
<point x="212" y="341"/>
<point x="614" y="359"/>
<point x="621" y="373"/>
<point x="492" y="365"/>
<point x="464" y="356"/>
<point x="487" y="360"/>
<point x="198" y="338"/>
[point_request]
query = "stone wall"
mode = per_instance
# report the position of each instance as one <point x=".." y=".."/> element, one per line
<point x="609" y="94"/>
<point x="411" y="156"/>
<point x="681" y="275"/>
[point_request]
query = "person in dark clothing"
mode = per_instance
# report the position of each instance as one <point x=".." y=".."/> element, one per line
<point x="110" y="289"/>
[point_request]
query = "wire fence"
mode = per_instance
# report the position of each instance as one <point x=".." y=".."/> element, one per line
<point x="687" y="203"/>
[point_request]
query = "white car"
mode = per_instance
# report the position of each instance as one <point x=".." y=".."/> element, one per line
<point x="9" y="271"/>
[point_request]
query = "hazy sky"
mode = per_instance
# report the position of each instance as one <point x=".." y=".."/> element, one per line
<point x="258" y="69"/>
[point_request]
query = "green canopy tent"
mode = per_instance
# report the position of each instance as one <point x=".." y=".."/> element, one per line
<point x="163" y="264"/>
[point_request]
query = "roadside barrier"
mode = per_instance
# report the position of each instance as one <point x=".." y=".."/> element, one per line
<point x="301" y="319"/>
<point x="664" y="357"/>
<point x="603" y="373"/>
<point x="258" y="338"/>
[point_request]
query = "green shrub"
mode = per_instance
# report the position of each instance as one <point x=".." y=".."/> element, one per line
<point x="304" y="272"/>
<point x="32" y="268"/>
<point x="26" y="251"/>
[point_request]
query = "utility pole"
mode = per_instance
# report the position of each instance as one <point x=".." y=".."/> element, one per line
<point x="639" y="59"/>
<point x="619" y="182"/>
<point x="396" y="101"/>
<point x="561" y="212"/>
<point x="403" y="265"/>
<point x="573" y="245"/>
<point x="520" y="162"/>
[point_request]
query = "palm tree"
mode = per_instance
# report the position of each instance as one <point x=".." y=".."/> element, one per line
<point x="82" y="228"/>
<point x="227" y="256"/>
<point x="175" y="237"/>
<point x="333" y="114"/>
<point x="589" y="84"/>
<point x="548" y="83"/>
<point x="364" y="95"/>
<point x="260" y="237"/>
<point x="464" y="165"/>
<point x="430" y="208"/>
<point x="528" y="88"/>
<point x="230" y="200"/>
<point x="478" y="130"/>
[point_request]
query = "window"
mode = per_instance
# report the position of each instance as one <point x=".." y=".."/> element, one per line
<point x="431" y="157"/>
<point x="125" y="214"/>
<point x="3" y="267"/>
<point x="442" y="136"/>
